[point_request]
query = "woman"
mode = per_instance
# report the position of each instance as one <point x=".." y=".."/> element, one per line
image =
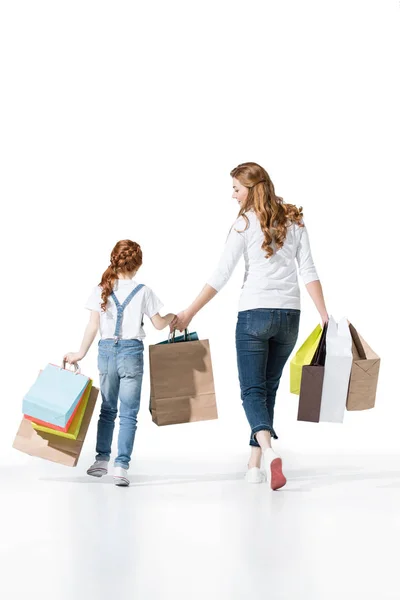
<point x="272" y="237"/>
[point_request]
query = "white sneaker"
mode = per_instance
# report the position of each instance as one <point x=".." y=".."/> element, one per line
<point x="273" y="468"/>
<point x="255" y="475"/>
<point x="98" y="468"/>
<point x="121" y="476"/>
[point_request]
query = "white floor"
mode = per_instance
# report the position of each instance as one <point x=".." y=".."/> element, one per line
<point x="194" y="529"/>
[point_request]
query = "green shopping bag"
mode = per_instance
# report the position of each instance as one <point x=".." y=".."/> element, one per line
<point x="303" y="356"/>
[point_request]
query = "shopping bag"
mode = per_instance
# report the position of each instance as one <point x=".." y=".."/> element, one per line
<point x="311" y="384"/>
<point x="303" y="357"/>
<point x="338" y="362"/>
<point x="54" y="428"/>
<point x="54" y="395"/>
<point x="364" y="374"/>
<point x="52" y="447"/>
<point x="73" y="430"/>
<point x="181" y="383"/>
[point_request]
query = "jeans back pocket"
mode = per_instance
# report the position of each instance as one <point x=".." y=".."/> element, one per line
<point x="292" y="324"/>
<point x="133" y="364"/>
<point x="259" y="322"/>
<point x="102" y="364"/>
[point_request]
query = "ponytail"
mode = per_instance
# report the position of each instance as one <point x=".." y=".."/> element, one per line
<point x="108" y="279"/>
<point x="126" y="257"/>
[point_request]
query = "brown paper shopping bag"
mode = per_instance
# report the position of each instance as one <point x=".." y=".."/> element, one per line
<point x="364" y="374"/>
<point x="52" y="447"/>
<point x="181" y="383"/>
<point x="312" y="378"/>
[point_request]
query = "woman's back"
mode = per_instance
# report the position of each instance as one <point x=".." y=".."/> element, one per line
<point x="268" y="282"/>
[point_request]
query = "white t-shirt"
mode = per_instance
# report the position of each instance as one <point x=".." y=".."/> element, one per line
<point x="268" y="282"/>
<point x="144" y="302"/>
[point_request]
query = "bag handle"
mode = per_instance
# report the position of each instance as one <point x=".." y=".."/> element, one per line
<point x="77" y="369"/>
<point x="172" y="335"/>
<point x="318" y="359"/>
<point x="357" y="342"/>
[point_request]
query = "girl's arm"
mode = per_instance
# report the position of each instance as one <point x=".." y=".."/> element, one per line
<point x="160" y="322"/>
<point x="90" y="333"/>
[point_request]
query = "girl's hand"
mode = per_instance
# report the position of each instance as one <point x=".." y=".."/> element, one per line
<point x="181" y="321"/>
<point x="72" y="357"/>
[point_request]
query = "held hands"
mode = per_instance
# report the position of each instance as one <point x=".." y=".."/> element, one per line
<point x="72" y="357"/>
<point x="181" y="321"/>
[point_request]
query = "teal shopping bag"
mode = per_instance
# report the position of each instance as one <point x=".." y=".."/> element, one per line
<point x="187" y="337"/>
<point x="54" y="395"/>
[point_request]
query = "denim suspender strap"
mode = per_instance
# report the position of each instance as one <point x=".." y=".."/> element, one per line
<point x="121" y="308"/>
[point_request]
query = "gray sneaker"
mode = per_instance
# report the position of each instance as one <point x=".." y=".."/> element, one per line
<point x="98" y="468"/>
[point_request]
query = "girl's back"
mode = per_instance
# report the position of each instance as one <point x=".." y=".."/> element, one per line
<point x="145" y="302"/>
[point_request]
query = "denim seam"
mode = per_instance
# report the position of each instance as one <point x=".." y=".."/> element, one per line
<point x="103" y="457"/>
<point x="262" y="428"/>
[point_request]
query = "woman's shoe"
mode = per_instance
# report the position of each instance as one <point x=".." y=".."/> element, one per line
<point x="255" y="475"/>
<point x="273" y="468"/>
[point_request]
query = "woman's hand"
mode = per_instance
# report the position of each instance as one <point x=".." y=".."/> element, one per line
<point x="72" y="357"/>
<point x="324" y="318"/>
<point x="181" y="321"/>
<point x="183" y="318"/>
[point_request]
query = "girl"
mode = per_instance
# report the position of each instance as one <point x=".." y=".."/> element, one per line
<point x="117" y="306"/>
<point x="272" y="237"/>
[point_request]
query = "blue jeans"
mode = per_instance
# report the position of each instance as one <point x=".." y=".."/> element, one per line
<point x="265" y="338"/>
<point x="121" y="373"/>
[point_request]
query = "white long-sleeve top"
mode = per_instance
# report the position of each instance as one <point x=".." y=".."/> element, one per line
<point x="268" y="282"/>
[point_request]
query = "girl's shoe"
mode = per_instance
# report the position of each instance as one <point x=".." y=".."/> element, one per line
<point x="98" y="468"/>
<point x="255" y="475"/>
<point x="273" y="468"/>
<point x="121" y="477"/>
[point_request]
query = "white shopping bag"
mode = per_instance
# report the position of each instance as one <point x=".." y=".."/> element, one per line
<point x="338" y="363"/>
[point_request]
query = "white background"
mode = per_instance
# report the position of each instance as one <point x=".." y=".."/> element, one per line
<point x="124" y="119"/>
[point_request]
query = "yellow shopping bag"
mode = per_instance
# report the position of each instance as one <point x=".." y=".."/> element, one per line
<point x="303" y="356"/>
<point x="73" y="431"/>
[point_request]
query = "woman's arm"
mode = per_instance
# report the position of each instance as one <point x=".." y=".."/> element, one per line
<point x="183" y="318"/>
<point x="314" y="288"/>
<point x="309" y="274"/>
<point x="88" y="337"/>
<point x="233" y="250"/>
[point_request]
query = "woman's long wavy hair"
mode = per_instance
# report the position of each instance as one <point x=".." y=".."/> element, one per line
<point x="126" y="258"/>
<point x="274" y="214"/>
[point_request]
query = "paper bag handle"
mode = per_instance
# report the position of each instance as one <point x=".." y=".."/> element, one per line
<point x="75" y="365"/>
<point x="172" y="335"/>
<point x="357" y="341"/>
<point x="320" y="353"/>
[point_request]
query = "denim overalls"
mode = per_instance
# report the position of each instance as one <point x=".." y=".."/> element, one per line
<point x="120" y="365"/>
